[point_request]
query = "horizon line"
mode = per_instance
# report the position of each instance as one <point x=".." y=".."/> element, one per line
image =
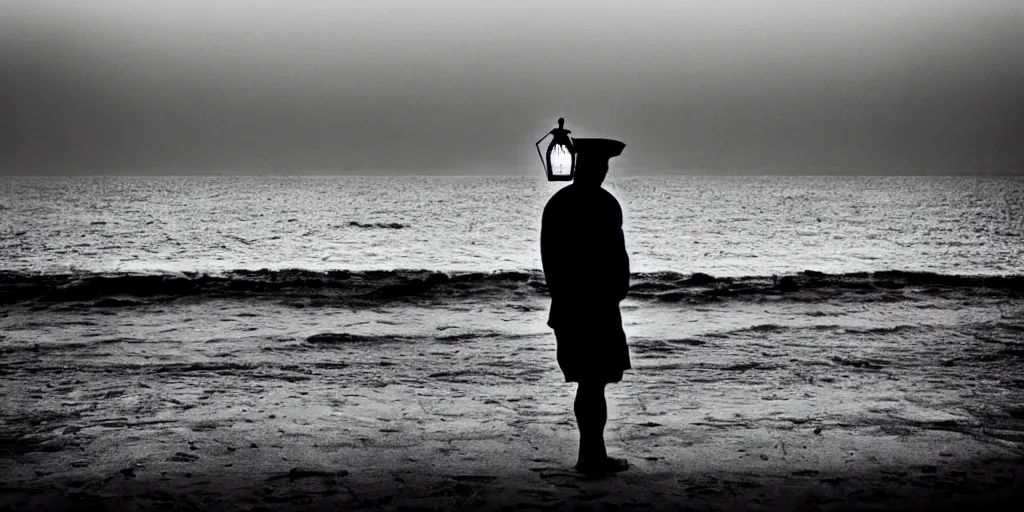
<point x="613" y="175"/>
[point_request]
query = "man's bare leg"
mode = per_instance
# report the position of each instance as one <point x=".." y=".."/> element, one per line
<point x="591" y="415"/>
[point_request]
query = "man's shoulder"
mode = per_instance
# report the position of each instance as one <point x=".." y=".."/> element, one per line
<point x="578" y="193"/>
<point x="564" y="198"/>
<point x="603" y="200"/>
<point x="573" y="199"/>
<point x="606" y="196"/>
<point x="577" y="198"/>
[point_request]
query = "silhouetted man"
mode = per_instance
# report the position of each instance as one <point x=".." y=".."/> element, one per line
<point x="587" y="273"/>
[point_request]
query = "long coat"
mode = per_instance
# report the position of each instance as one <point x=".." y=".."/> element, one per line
<point x="587" y="272"/>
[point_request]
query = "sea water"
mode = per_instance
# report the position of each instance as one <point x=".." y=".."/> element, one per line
<point x="723" y="226"/>
<point x="459" y="353"/>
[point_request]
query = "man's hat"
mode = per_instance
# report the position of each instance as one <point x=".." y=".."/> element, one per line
<point x="595" y="149"/>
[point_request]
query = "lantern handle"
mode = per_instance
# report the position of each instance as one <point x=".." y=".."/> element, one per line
<point x="541" y="155"/>
<point x="542" y="139"/>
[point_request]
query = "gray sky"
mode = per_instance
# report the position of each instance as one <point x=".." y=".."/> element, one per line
<point x="454" y="86"/>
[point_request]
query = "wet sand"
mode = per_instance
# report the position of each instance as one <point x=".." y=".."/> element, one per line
<point x="889" y="398"/>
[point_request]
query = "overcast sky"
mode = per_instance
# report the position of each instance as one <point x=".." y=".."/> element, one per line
<point x="453" y="86"/>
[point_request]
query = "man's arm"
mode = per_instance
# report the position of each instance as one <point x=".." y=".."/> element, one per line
<point x="607" y="268"/>
<point x="620" y="257"/>
<point x="552" y="253"/>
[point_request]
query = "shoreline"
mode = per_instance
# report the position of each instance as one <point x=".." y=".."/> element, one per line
<point x="830" y="399"/>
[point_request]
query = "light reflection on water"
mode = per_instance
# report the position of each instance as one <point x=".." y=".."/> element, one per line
<point x="718" y="225"/>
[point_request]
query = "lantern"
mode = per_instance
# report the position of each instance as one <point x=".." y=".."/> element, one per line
<point x="560" y="159"/>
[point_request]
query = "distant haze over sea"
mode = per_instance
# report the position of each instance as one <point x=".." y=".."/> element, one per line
<point x="463" y="86"/>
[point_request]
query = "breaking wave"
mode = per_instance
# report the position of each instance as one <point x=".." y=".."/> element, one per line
<point x="113" y="290"/>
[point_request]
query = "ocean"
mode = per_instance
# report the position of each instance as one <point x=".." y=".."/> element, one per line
<point x="722" y="226"/>
<point x="281" y="338"/>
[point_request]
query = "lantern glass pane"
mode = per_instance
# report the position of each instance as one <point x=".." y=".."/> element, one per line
<point x="561" y="160"/>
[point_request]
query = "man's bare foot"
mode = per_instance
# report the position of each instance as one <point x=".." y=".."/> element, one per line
<point x="603" y="466"/>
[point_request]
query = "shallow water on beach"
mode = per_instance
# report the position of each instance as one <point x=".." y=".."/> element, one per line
<point x="851" y="389"/>
<point x="827" y="355"/>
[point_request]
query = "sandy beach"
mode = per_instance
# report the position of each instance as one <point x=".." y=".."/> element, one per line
<point x="261" y="256"/>
<point x="422" y="392"/>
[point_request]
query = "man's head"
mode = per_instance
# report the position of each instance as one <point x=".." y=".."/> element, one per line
<point x="592" y="157"/>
